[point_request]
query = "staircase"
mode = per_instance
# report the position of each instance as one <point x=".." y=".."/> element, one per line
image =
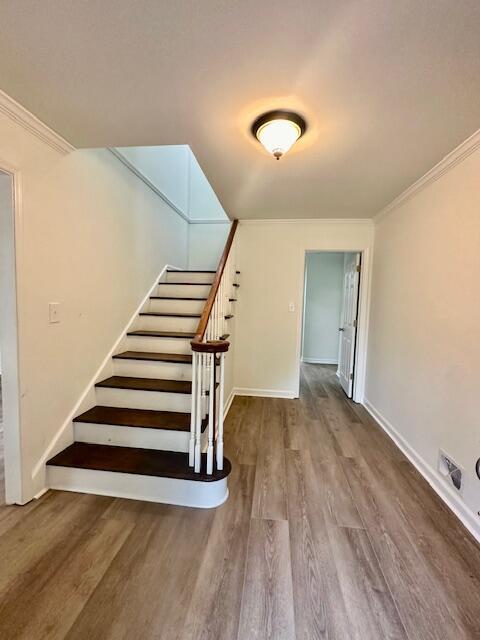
<point x="141" y="440"/>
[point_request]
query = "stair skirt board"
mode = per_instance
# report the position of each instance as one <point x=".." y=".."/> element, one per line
<point x="139" y="399"/>
<point x="161" y="345"/>
<point x="185" y="493"/>
<point x="140" y="437"/>
<point x="152" y="369"/>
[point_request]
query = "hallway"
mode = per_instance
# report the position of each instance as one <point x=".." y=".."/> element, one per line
<point x="329" y="532"/>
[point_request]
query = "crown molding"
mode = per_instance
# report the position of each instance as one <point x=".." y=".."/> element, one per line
<point x="361" y="221"/>
<point x="449" y="162"/>
<point x="21" y="116"/>
<point x="209" y="221"/>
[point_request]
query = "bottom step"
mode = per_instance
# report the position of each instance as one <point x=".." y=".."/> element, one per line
<point x="139" y="474"/>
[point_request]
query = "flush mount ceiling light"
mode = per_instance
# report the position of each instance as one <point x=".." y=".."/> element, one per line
<point x="278" y="131"/>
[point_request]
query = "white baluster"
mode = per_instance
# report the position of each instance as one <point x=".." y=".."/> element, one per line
<point x="220" y="414"/>
<point x="210" y="415"/>
<point x="193" y="416"/>
<point x="199" y="414"/>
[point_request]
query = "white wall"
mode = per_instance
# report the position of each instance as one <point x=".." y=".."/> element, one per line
<point x="167" y="167"/>
<point x="322" y="306"/>
<point x="91" y="236"/>
<point x="271" y="261"/>
<point x="424" y="350"/>
<point x="206" y="243"/>
<point x="175" y="172"/>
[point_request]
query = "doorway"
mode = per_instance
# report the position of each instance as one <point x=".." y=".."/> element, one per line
<point x="10" y="451"/>
<point x="331" y="311"/>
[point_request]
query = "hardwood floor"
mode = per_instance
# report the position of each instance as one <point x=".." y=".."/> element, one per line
<point x="328" y="533"/>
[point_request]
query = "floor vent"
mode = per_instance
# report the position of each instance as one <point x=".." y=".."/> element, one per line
<point x="450" y="470"/>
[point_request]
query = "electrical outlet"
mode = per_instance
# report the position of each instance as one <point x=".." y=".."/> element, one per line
<point x="54" y="312"/>
<point x="450" y="470"/>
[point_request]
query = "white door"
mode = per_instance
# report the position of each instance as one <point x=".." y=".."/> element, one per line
<point x="348" y="326"/>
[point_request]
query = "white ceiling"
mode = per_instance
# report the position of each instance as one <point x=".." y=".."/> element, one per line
<point x="388" y="87"/>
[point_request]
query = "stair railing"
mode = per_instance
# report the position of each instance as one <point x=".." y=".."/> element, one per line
<point x="209" y="347"/>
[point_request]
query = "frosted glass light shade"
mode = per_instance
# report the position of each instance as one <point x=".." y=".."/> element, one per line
<point x="278" y="131"/>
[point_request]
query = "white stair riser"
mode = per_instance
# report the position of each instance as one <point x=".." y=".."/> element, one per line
<point x="133" y="399"/>
<point x="139" y="437"/>
<point x="173" y="276"/>
<point x="186" y="493"/>
<point x="182" y="290"/>
<point x="176" y="306"/>
<point x="158" y="345"/>
<point x="166" y="323"/>
<point x="147" y="369"/>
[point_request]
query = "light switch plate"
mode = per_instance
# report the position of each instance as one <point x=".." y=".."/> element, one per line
<point x="54" y="312"/>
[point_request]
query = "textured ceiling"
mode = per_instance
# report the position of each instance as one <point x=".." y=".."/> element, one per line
<point x="388" y="88"/>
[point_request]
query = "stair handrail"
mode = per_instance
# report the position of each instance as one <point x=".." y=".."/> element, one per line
<point x="209" y="347"/>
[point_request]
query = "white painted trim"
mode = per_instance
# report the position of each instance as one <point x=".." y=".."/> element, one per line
<point x="449" y="162"/>
<point x="361" y="221"/>
<point x="209" y="221"/>
<point x="320" y="360"/>
<point x="64" y="435"/>
<point x="265" y="393"/>
<point x="119" y="155"/>
<point x="228" y="403"/>
<point x="21" y="116"/>
<point x="11" y="221"/>
<point x="446" y="493"/>
<point x="186" y="493"/>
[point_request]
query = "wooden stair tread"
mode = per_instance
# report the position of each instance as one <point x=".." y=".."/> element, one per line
<point x="143" y="418"/>
<point x="187" y="335"/>
<point x="146" y="384"/>
<point x="162" y="314"/>
<point x="145" y="462"/>
<point x="175" y="298"/>
<point x="180" y="358"/>
<point x="190" y="271"/>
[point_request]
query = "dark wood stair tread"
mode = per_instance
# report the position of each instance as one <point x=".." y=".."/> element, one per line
<point x="146" y="384"/>
<point x="144" y="462"/>
<point x="161" y="314"/>
<point x="186" y="335"/>
<point x="190" y="271"/>
<point x="175" y="298"/>
<point x="144" y="418"/>
<point x="180" y="358"/>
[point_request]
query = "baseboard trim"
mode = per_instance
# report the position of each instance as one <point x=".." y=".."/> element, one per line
<point x="320" y="360"/>
<point x="265" y="393"/>
<point x="452" y="501"/>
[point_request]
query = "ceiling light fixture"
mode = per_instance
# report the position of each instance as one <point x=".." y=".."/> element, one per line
<point x="278" y="131"/>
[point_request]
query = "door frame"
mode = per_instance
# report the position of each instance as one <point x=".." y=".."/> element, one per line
<point x="10" y="231"/>
<point x="363" y="316"/>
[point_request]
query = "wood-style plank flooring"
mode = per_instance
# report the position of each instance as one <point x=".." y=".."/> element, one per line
<point x="328" y="533"/>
